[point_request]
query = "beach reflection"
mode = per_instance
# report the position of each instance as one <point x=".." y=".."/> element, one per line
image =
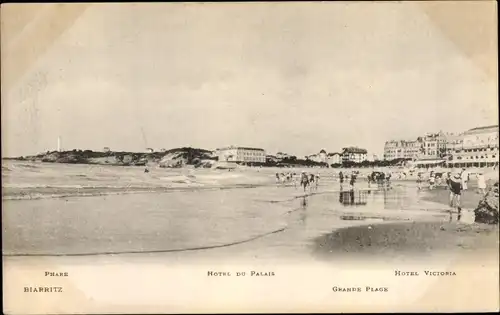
<point x="353" y="198"/>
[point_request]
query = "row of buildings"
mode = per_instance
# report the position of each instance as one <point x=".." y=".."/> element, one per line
<point x="257" y="155"/>
<point x="477" y="147"/>
<point x="348" y="154"/>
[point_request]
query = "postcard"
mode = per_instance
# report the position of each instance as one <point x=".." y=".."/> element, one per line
<point x="250" y="157"/>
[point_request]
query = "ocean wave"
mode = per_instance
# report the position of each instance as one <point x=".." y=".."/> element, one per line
<point x="28" y="166"/>
<point x="38" y="196"/>
<point x="84" y="177"/>
<point x="31" y="185"/>
<point x="87" y="192"/>
<point x="80" y="187"/>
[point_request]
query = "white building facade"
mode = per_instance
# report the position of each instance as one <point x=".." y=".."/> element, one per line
<point x="393" y="149"/>
<point x="322" y="156"/>
<point x="353" y="154"/>
<point x="402" y="149"/>
<point x="334" y="158"/>
<point x="477" y="147"/>
<point x="241" y="154"/>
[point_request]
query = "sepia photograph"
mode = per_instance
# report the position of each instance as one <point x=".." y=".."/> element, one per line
<point x="249" y="157"/>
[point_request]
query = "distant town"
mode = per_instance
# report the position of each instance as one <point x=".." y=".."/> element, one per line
<point x="477" y="147"/>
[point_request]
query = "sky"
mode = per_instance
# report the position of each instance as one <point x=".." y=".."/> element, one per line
<point x="289" y="77"/>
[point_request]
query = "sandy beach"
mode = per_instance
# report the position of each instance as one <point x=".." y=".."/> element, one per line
<point x="413" y="240"/>
<point x="125" y="246"/>
<point x="236" y="214"/>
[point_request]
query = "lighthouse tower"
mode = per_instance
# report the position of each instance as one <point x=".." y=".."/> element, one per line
<point x="58" y="144"/>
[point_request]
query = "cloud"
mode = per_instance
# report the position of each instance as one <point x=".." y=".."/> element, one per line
<point x="289" y="78"/>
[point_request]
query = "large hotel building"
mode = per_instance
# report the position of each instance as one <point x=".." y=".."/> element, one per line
<point x="399" y="149"/>
<point x="241" y="154"/>
<point x="477" y="147"/>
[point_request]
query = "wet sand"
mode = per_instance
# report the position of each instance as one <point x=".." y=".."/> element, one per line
<point x="413" y="240"/>
<point x="469" y="199"/>
<point x="416" y="239"/>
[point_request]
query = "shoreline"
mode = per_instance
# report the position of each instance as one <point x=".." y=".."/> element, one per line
<point x="107" y="191"/>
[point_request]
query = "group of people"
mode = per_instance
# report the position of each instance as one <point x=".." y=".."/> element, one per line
<point x="284" y="177"/>
<point x="352" y="180"/>
<point x="456" y="182"/>
<point x="309" y="180"/>
<point x="305" y="180"/>
<point x="463" y="176"/>
<point x="382" y="179"/>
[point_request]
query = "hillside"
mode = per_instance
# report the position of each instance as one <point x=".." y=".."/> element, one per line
<point x="187" y="156"/>
<point x="172" y="158"/>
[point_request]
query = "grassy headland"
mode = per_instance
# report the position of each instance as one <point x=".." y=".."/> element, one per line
<point x="172" y="158"/>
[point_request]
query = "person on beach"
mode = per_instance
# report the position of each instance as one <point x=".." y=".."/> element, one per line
<point x="481" y="183"/>
<point x="317" y="180"/>
<point x="438" y="179"/>
<point x="465" y="178"/>
<point x="283" y="178"/>
<point x="311" y="180"/>
<point x="369" y="178"/>
<point x="455" y="186"/>
<point x="419" y="180"/>
<point x="352" y="182"/>
<point x="432" y="180"/>
<point x="304" y="180"/>
<point x="341" y="178"/>
<point x="278" y="178"/>
<point x="294" y="179"/>
<point x="388" y="179"/>
<point x="443" y="178"/>
<point x="381" y="179"/>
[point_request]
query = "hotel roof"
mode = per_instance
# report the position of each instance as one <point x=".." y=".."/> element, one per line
<point x="485" y="127"/>
<point x="482" y="129"/>
<point x="241" y="148"/>
<point x="355" y="150"/>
